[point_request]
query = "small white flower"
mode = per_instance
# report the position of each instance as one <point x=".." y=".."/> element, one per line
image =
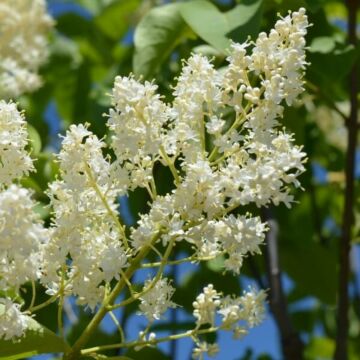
<point x="156" y="301"/>
<point x="252" y="308"/>
<point x="15" y="161"/>
<point x="22" y="238"/>
<point x="13" y="322"/>
<point x="137" y="122"/>
<point x="206" y="305"/>
<point x="204" y="348"/>
<point x="84" y="202"/>
<point x="247" y="309"/>
<point x="24" y="28"/>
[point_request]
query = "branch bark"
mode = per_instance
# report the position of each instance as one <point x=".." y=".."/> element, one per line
<point x="292" y="346"/>
<point x="341" y="351"/>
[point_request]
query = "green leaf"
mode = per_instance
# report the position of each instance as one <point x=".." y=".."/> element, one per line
<point x="330" y="61"/>
<point x="37" y="340"/>
<point x="30" y="183"/>
<point x="35" y="140"/>
<point x="73" y="25"/>
<point x="304" y="320"/>
<point x="302" y="247"/>
<point x="323" y="44"/>
<point x="9" y="293"/>
<point x="217" y="264"/>
<point x="315" y="5"/>
<point x="208" y="51"/>
<point x="214" y="27"/>
<point x="43" y="210"/>
<point x="320" y="348"/>
<point x="114" y="20"/>
<point x="157" y="34"/>
<point x="94" y="6"/>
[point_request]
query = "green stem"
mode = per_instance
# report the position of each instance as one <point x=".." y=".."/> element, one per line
<point x="44" y="304"/>
<point x="108" y="302"/>
<point x="33" y="295"/>
<point x="163" y="263"/>
<point x="170" y="164"/>
<point x="61" y="302"/>
<point x="120" y="329"/>
<point x="150" y="342"/>
<point x="94" y="323"/>
<point x="127" y="281"/>
<point x="60" y="316"/>
<point x="106" y="204"/>
<point x="237" y="122"/>
<point x="153" y="187"/>
<point x="202" y="134"/>
<point x="177" y="262"/>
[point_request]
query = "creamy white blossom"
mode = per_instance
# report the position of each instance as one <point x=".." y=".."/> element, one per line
<point x="22" y="238"/>
<point x="222" y="141"/>
<point x="137" y="121"/>
<point x="24" y="28"/>
<point x="85" y="226"/>
<point x="13" y="322"/>
<point x="205" y="306"/>
<point x="15" y="160"/>
<point x="198" y="88"/>
<point x="238" y="314"/>
<point x="247" y="309"/>
<point x="204" y="348"/>
<point x="161" y="217"/>
<point x="157" y="300"/>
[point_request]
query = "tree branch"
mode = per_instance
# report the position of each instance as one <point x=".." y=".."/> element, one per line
<point x="291" y="343"/>
<point x="174" y="314"/>
<point x="341" y="352"/>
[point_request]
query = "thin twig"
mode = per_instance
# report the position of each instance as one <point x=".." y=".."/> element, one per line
<point x="33" y="294"/>
<point x="174" y="314"/>
<point x="103" y="199"/>
<point x="292" y="346"/>
<point x="155" y="341"/>
<point x="118" y="326"/>
<point x="341" y="351"/>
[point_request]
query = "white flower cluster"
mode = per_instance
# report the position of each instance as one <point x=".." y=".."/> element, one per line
<point x="22" y="237"/>
<point x="85" y="226"/>
<point x="22" y="233"/>
<point x="156" y="301"/>
<point x="14" y="159"/>
<point x="205" y="305"/>
<point x="13" y="322"/>
<point x="224" y="161"/>
<point x="137" y="121"/>
<point x="203" y="348"/>
<point x="220" y="139"/>
<point x="238" y="314"/>
<point x="24" y="28"/>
